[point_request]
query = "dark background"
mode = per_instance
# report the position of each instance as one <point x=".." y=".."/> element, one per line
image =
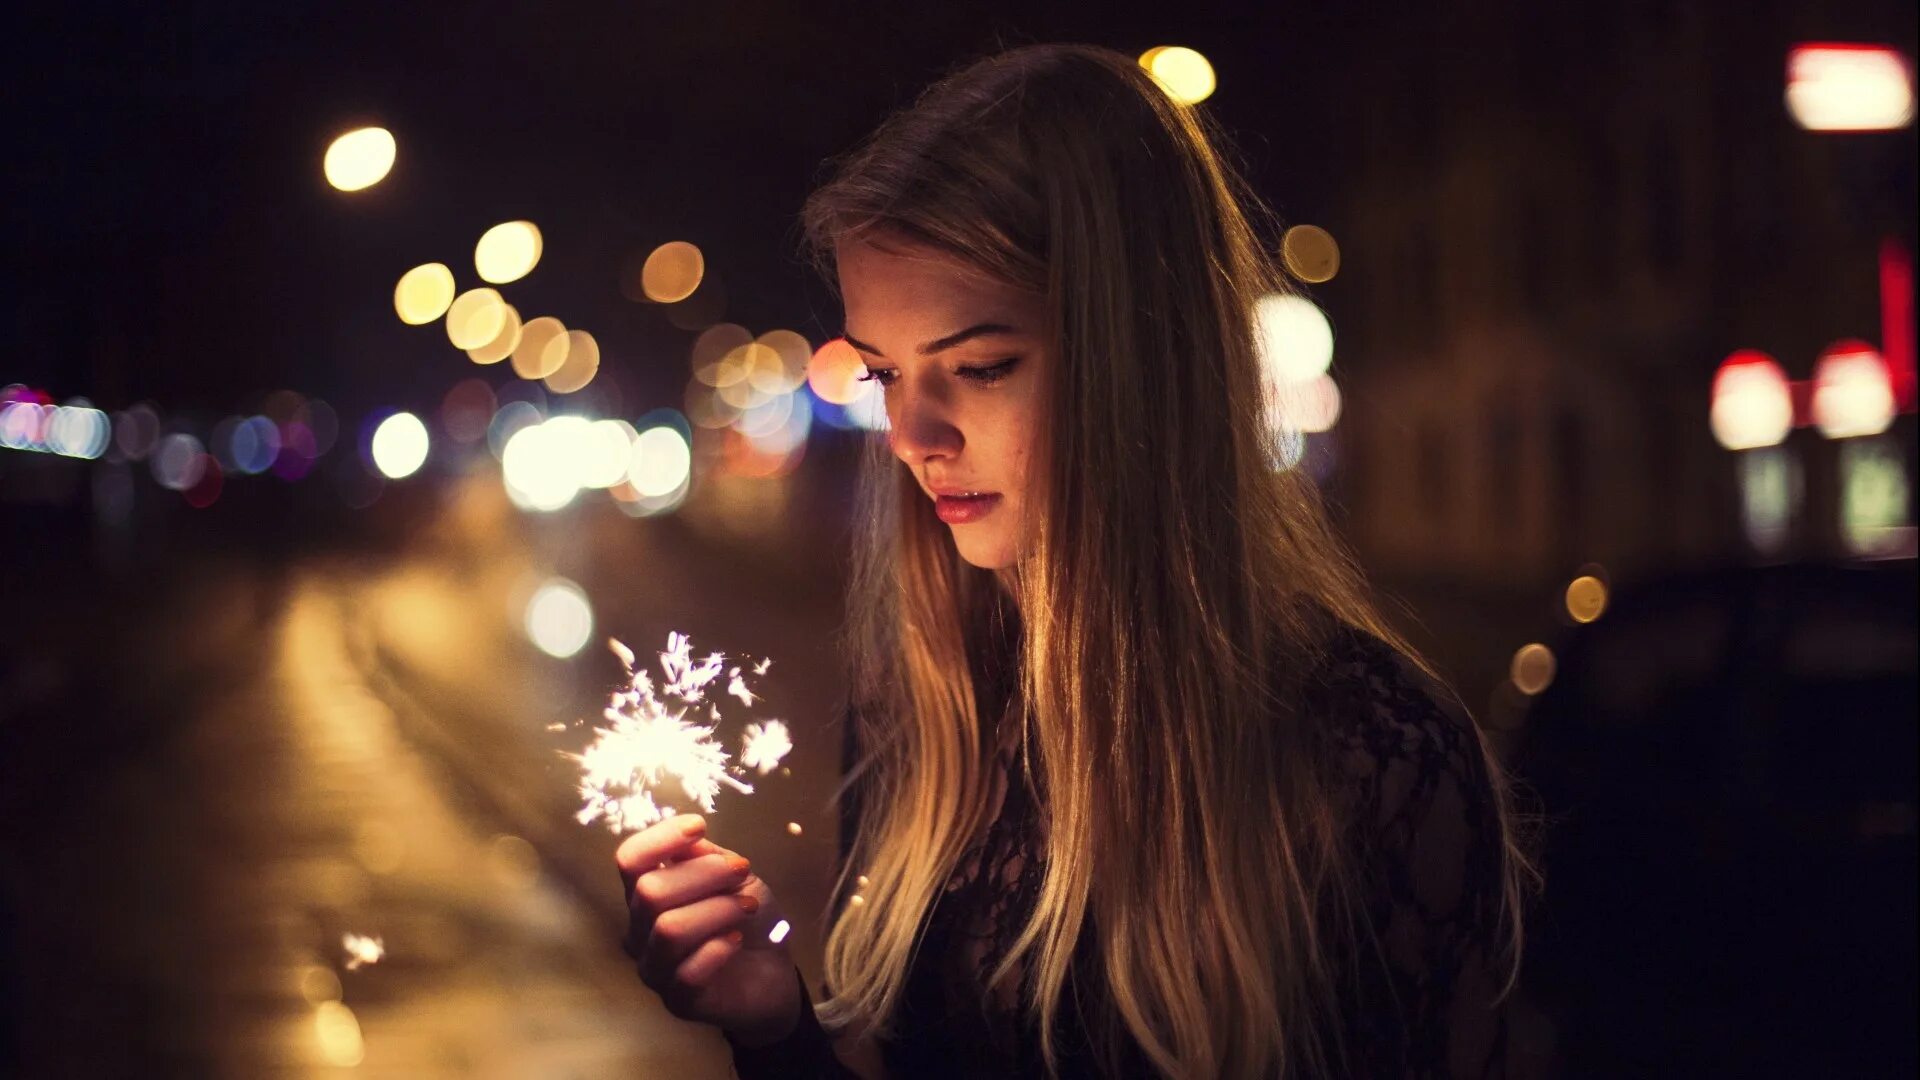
<point x="229" y="734"/>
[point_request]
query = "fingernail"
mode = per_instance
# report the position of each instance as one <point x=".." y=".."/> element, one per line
<point x="738" y="865"/>
<point x="749" y="903"/>
<point x="736" y="937"/>
<point x="693" y="826"/>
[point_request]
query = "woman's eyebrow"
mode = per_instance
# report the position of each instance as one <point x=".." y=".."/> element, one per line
<point x="938" y="344"/>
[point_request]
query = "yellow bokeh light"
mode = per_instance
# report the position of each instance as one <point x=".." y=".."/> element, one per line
<point x="400" y="445"/>
<point x="834" y="373"/>
<point x="578" y="367"/>
<point x="1185" y="74"/>
<point x="338" y="1032"/>
<point x="1310" y="253"/>
<point x="712" y="349"/>
<point x="1533" y="668"/>
<point x="672" y="272"/>
<point x="1586" y="598"/>
<point x="423" y="293"/>
<point x="542" y="348"/>
<point x="475" y="318"/>
<point x="507" y="252"/>
<point x="513" y="863"/>
<point x="319" y="985"/>
<point x="359" y="159"/>
<point x="786" y="368"/>
<point x="503" y="343"/>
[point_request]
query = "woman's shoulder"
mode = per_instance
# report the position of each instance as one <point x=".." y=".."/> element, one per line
<point x="1395" y="736"/>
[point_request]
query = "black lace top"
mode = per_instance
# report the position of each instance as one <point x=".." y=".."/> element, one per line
<point x="1421" y="816"/>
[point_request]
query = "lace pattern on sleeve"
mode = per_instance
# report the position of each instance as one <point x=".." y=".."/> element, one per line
<point x="1426" y="826"/>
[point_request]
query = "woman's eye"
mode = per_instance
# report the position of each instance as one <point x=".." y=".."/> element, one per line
<point x="883" y="376"/>
<point x="990" y="373"/>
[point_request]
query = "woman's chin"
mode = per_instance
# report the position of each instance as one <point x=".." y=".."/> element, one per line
<point x="986" y="556"/>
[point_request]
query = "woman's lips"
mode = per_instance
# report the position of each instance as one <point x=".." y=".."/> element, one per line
<point x="961" y="509"/>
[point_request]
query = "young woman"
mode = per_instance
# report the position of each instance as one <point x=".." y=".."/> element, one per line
<point x="1148" y="787"/>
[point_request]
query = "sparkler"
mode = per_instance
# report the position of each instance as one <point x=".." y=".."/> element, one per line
<point x="663" y="732"/>
<point x="362" y="950"/>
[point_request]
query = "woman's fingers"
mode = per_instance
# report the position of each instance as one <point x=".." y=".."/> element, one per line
<point x="665" y="888"/>
<point x="708" y="959"/>
<point x="657" y="843"/>
<point x="682" y="932"/>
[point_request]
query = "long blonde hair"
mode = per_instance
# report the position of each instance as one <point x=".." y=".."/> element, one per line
<point x="1167" y="603"/>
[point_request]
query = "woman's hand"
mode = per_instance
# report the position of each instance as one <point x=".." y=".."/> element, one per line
<point x="697" y="929"/>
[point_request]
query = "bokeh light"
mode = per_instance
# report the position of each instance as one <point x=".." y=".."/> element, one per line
<point x="400" y="445"/>
<point x="320" y="420"/>
<point x="542" y="348"/>
<point x="509" y="420"/>
<point x="476" y="318"/>
<point x="579" y="365"/>
<point x="1852" y="391"/>
<point x="606" y="453"/>
<point x="466" y="410"/>
<point x="662" y="462"/>
<point x="423" y="293"/>
<point x="337" y="1031"/>
<point x="1310" y="253"/>
<point x="178" y="461"/>
<point x="559" y="618"/>
<point x="672" y="272"/>
<point x="1586" y="598"/>
<point x="834" y="373"/>
<point x="206" y="487"/>
<point x="541" y="463"/>
<point x="1294" y="338"/>
<point x="254" y="445"/>
<point x="1186" y="75"/>
<point x="1532" y="668"/>
<point x="1308" y="407"/>
<point x="782" y="367"/>
<point x="1752" y="404"/>
<point x="359" y="159"/>
<point x="503" y="343"/>
<point x="507" y="252"/>
<point x="136" y="431"/>
<point x="1849" y="88"/>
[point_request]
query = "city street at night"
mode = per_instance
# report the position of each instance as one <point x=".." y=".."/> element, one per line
<point x="1256" y="541"/>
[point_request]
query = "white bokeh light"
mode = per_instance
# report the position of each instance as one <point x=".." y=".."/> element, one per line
<point x="559" y="618"/>
<point x="400" y="446"/>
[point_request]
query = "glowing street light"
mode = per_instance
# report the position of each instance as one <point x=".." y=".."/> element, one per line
<point x="1852" y="393"/>
<point x="1752" y="403"/>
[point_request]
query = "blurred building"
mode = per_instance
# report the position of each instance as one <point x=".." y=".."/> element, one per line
<point x="1560" y="227"/>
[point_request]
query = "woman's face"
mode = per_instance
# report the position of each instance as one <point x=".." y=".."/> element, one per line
<point x="962" y="361"/>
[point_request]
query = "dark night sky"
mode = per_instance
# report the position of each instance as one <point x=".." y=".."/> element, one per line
<point x="176" y="239"/>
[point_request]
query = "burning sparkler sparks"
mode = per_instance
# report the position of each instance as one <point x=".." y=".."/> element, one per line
<point x="362" y="950"/>
<point x="764" y="745"/>
<point x="656" y="732"/>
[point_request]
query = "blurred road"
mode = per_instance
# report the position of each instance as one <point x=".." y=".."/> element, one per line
<point x="258" y="755"/>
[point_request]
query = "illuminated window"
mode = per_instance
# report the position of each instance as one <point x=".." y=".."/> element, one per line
<point x="1876" y="497"/>
<point x="1771" y="488"/>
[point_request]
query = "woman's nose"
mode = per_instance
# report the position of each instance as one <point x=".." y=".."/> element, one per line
<point x="919" y="429"/>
